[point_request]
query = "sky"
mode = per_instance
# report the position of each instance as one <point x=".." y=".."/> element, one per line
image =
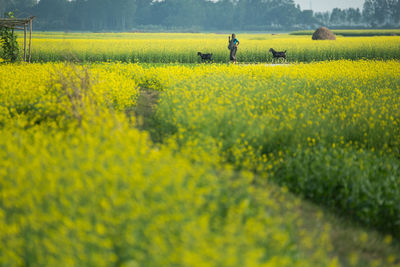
<point x="328" y="5"/>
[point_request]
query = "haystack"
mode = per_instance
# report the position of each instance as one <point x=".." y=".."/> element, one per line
<point x="323" y="34"/>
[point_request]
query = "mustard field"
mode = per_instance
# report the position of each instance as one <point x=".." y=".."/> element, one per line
<point x="183" y="48"/>
<point x="204" y="176"/>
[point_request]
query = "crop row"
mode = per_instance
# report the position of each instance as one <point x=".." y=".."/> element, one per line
<point x="328" y="131"/>
<point x="181" y="48"/>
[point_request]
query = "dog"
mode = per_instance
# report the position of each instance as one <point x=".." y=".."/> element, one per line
<point x="278" y="55"/>
<point x="205" y="57"/>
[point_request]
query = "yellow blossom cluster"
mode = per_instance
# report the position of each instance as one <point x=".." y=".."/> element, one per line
<point x="59" y="93"/>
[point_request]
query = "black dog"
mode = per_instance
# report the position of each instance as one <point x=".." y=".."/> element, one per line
<point x="278" y="55"/>
<point x="205" y="57"/>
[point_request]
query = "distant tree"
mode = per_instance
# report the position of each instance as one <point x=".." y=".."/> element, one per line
<point x="242" y="10"/>
<point x="353" y="16"/>
<point x="100" y="15"/>
<point x="288" y="13"/>
<point x="78" y="15"/>
<point x="143" y="13"/>
<point x="19" y="7"/>
<point x="121" y="14"/>
<point x="338" y="16"/>
<point x="186" y="13"/>
<point x="382" y="12"/>
<point x="394" y="10"/>
<point x="220" y="15"/>
<point x="379" y="12"/>
<point x="396" y="13"/>
<point x="323" y="17"/>
<point x="266" y="13"/>
<point x="6" y="6"/>
<point x="177" y="13"/>
<point x="369" y="12"/>
<point x="53" y="13"/>
<point x="24" y="5"/>
<point x="307" y="17"/>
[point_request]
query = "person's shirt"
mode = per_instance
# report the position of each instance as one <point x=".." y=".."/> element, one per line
<point x="235" y="41"/>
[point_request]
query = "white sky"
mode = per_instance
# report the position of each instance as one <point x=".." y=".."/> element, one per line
<point x="328" y="5"/>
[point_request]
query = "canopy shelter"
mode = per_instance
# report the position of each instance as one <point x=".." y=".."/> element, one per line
<point x="20" y="24"/>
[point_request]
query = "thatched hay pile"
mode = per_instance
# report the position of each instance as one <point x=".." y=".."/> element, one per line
<point x="323" y="34"/>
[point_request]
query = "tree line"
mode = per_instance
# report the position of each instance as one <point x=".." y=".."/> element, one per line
<point x="126" y="15"/>
<point x="375" y="14"/>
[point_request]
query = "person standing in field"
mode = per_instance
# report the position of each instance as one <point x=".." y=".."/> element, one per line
<point x="233" y="46"/>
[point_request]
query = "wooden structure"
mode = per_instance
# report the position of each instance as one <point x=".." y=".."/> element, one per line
<point x="21" y="24"/>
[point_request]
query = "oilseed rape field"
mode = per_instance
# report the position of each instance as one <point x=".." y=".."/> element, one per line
<point x="183" y="48"/>
<point x="107" y="162"/>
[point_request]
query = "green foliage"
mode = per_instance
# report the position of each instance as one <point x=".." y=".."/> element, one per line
<point x="381" y="12"/>
<point x="1" y="59"/>
<point x="10" y="49"/>
<point x="359" y="184"/>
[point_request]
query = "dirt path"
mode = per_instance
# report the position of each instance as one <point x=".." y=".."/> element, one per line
<point x="145" y="111"/>
<point x="146" y="107"/>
